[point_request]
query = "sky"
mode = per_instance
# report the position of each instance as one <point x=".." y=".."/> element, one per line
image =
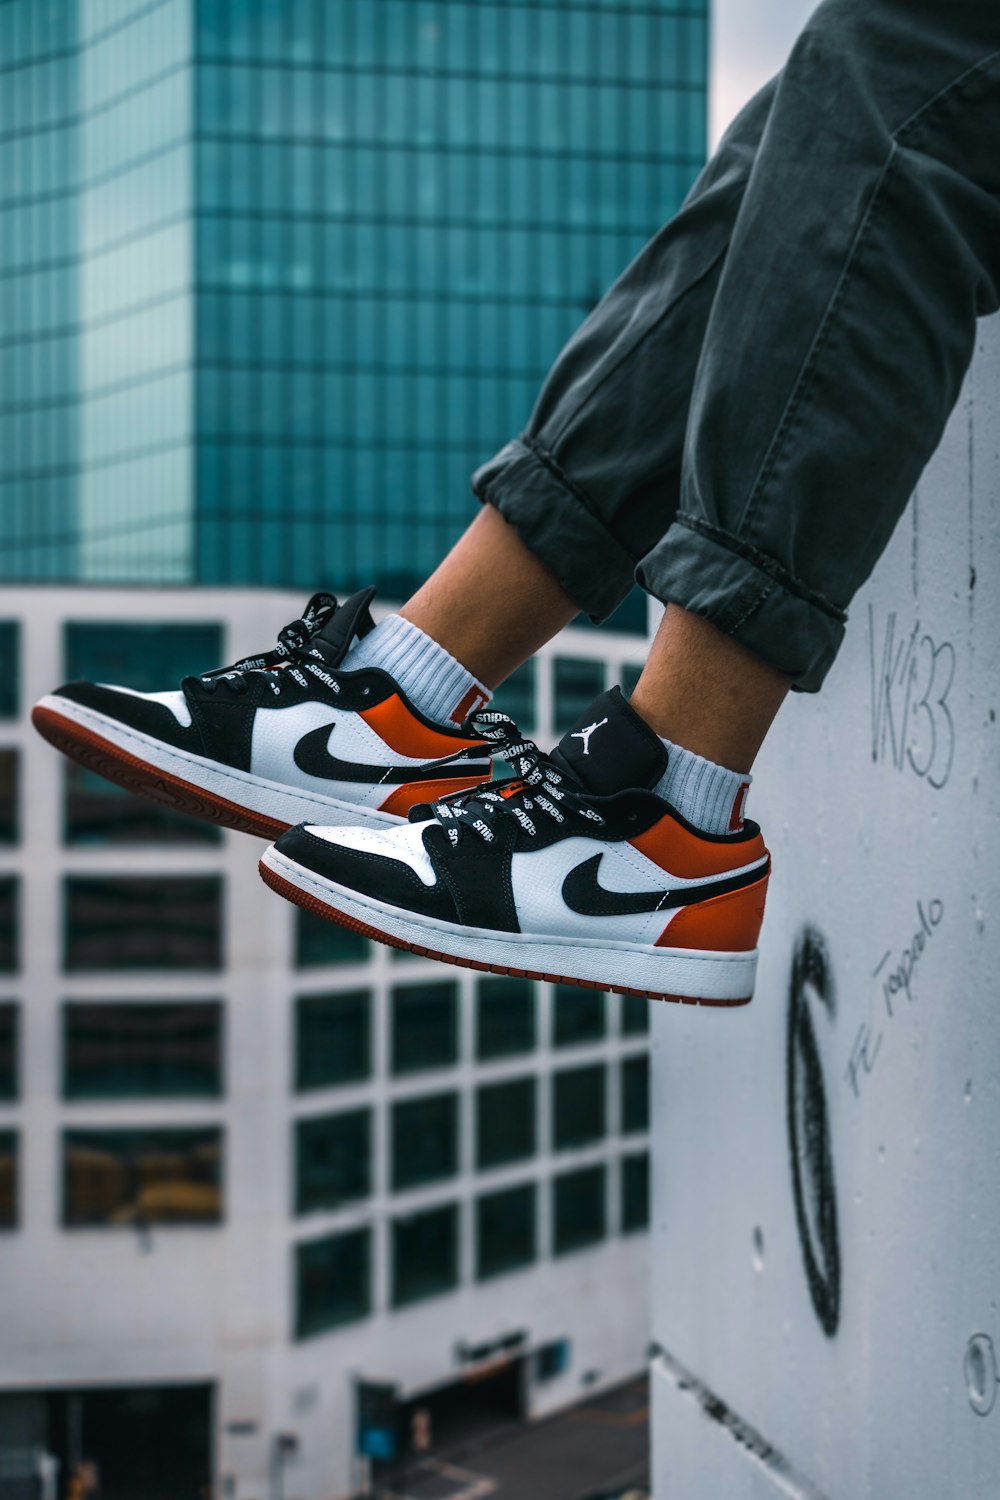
<point x="750" y="41"/>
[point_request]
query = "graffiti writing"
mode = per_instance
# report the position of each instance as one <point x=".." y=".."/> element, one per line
<point x="911" y="722"/>
<point x="864" y="1055"/>
<point x="894" y="972"/>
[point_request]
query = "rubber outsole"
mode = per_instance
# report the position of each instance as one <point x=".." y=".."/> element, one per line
<point x="313" y="904"/>
<point x="135" y="775"/>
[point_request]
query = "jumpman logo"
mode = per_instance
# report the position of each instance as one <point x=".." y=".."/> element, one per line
<point x="584" y="734"/>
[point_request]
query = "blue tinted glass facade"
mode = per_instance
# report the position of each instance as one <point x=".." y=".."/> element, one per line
<point x="136" y="291"/>
<point x="39" y="317"/>
<point x="96" y="324"/>
<point x="322" y="257"/>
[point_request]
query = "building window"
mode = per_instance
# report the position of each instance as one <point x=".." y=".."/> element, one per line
<point x="147" y="657"/>
<point x="10" y="680"/>
<point x="8" y="1179"/>
<point x="424" y="1026"/>
<point x="142" y="922"/>
<point x="577" y="1015"/>
<point x="635" y="1093"/>
<point x="134" y="1050"/>
<point x="505" y="1122"/>
<point x="516" y="696"/>
<point x="318" y="942"/>
<point x="8" y="1052"/>
<point x="629" y="676"/>
<point x="505" y="1017"/>
<point x="332" y="1282"/>
<point x="97" y="811"/>
<point x="138" y="1177"/>
<point x="578" y="1107"/>
<point x="332" y="1160"/>
<point x="424" y="1255"/>
<point x="575" y="683"/>
<point x="634" y="1014"/>
<point x="424" y="1140"/>
<point x="635" y="1193"/>
<point x="332" y="1039"/>
<point x="578" y="1214"/>
<point x="9" y="801"/>
<point x="552" y="1359"/>
<point x="9" y="908"/>
<point x="505" y="1231"/>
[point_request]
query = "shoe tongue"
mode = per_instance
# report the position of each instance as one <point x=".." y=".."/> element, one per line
<point x="318" y="611"/>
<point x="610" y="748"/>
<point x="352" y="619"/>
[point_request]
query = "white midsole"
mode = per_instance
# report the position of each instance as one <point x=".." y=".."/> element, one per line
<point x="286" y="804"/>
<point x="698" y="973"/>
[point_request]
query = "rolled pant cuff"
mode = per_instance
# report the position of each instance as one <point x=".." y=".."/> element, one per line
<point x="748" y="595"/>
<point x="554" y="518"/>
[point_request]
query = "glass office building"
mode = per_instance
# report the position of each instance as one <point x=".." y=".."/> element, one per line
<point x="277" y="276"/>
<point x="274" y="278"/>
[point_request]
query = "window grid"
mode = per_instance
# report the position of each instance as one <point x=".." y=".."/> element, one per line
<point x="522" y="1048"/>
<point x="399" y="223"/>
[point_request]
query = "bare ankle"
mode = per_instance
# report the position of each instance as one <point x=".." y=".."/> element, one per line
<point x="705" y="691"/>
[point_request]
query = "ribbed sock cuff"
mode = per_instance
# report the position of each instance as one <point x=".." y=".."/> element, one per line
<point x="431" y="678"/>
<point x="708" y="795"/>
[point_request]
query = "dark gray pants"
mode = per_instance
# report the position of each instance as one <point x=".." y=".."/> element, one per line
<point x="739" y="424"/>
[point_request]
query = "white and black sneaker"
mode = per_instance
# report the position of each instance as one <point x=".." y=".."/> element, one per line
<point x="274" y="739"/>
<point x="572" y="870"/>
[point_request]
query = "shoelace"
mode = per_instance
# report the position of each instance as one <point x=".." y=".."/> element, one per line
<point x="291" y="653"/>
<point x="536" y="787"/>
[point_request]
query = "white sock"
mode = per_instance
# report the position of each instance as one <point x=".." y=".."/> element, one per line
<point x="708" y="795"/>
<point x="431" y="678"/>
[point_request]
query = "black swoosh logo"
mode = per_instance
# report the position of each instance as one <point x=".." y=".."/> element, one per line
<point x="583" y="892"/>
<point x="312" y="756"/>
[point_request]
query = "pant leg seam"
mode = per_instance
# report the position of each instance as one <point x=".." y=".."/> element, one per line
<point x="753" y="605"/>
<point x="942" y="94"/>
<point x="803" y="379"/>
<point x="801" y="387"/>
<point x="765" y="563"/>
<point x="628" y="353"/>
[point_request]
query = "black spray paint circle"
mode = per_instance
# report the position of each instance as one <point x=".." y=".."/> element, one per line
<point x="813" y="1183"/>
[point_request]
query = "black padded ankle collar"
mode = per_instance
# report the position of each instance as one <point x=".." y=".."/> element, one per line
<point x="611" y="749"/>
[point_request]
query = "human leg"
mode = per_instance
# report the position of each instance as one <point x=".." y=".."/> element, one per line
<point x="867" y="243"/>
<point x="569" y="871"/>
<point x="230" y="745"/>
<point x="593" y="481"/>
<point x="485" y="609"/>
<point x="706" y="686"/>
<point x="491" y="602"/>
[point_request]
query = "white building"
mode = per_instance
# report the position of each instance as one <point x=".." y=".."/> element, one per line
<point x="247" y="1160"/>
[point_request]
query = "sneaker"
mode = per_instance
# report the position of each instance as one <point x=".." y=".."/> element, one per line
<point x="275" y="739"/>
<point x="555" y="873"/>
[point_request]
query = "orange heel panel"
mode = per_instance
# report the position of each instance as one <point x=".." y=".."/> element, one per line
<point x="729" y="923"/>
<point x="674" y="848"/>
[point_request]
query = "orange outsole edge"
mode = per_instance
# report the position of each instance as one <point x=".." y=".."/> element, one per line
<point x="298" y="897"/>
<point x="136" y="775"/>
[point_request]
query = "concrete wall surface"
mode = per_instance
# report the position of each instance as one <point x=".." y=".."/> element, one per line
<point x="826" y="1196"/>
